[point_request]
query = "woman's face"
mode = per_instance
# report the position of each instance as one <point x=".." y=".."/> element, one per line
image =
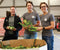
<point x="29" y="6"/>
<point x="44" y="8"/>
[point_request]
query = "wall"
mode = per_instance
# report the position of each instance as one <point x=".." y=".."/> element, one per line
<point x="20" y="11"/>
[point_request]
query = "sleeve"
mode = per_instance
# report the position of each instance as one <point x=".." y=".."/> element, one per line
<point x="37" y="17"/>
<point x="52" y="18"/>
<point x="23" y="16"/>
<point x="19" y="27"/>
<point x="5" y="24"/>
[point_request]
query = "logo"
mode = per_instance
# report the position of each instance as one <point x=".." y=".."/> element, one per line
<point x="33" y="16"/>
<point x="45" y="19"/>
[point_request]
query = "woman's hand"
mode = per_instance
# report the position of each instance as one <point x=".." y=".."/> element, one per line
<point x="7" y="27"/>
<point x="14" y="29"/>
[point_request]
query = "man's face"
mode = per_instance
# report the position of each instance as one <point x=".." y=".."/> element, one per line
<point x="12" y="10"/>
<point x="44" y="8"/>
<point x="29" y="6"/>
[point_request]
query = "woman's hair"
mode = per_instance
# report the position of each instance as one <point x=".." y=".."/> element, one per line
<point x="29" y="2"/>
<point x="43" y="3"/>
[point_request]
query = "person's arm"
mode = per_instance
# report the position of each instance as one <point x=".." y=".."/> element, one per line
<point x="5" y="25"/>
<point x="23" y="17"/>
<point x="18" y="26"/>
<point x="52" y="22"/>
<point x="39" y="28"/>
<point x="52" y="26"/>
<point x="37" y="24"/>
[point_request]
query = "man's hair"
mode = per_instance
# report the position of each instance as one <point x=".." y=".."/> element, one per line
<point x="30" y="3"/>
<point x="43" y="3"/>
<point x="12" y="6"/>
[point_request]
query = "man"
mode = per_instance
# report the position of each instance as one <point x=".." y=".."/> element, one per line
<point x="34" y="18"/>
<point x="13" y="21"/>
<point x="48" y="24"/>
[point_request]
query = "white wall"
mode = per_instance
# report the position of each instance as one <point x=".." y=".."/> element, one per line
<point x="54" y="2"/>
<point x="37" y="2"/>
<point x="21" y="11"/>
<point x="55" y="10"/>
<point x="3" y="11"/>
<point x="7" y="3"/>
<point x="20" y="2"/>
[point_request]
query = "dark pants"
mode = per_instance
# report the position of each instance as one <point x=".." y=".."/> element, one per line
<point x="49" y="41"/>
<point x="9" y="38"/>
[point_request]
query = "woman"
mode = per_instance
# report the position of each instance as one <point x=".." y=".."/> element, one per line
<point x="11" y="20"/>
<point x="48" y="24"/>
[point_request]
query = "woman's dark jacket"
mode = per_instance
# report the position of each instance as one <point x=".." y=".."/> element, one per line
<point x="16" y="25"/>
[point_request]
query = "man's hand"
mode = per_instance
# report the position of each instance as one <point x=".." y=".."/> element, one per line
<point x="34" y="26"/>
<point x="39" y="28"/>
<point x="25" y="27"/>
<point x="37" y="24"/>
<point x="29" y="26"/>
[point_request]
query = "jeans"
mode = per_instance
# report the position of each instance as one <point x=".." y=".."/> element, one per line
<point x="49" y="41"/>
<point x="30" y="36"/>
